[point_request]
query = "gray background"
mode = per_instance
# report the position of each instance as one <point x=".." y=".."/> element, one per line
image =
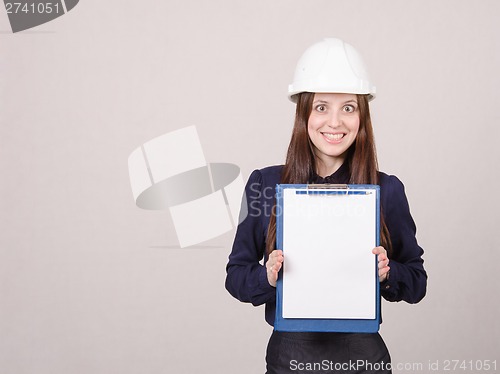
<point x="89" y="283"/>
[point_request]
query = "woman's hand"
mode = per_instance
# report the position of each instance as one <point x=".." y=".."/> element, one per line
<point x="383" y="263"/>
<point x="273" y="266"/>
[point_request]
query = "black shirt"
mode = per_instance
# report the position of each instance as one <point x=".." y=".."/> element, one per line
<point x="247" y="278"/>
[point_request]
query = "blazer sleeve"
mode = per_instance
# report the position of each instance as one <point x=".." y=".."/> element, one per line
<point x="246" y="277"/>
<point x="408" y="278"/>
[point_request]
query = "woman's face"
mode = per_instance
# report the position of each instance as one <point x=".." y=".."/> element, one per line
<point x="333" y="126"/>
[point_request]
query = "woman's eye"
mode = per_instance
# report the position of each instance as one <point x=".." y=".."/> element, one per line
<point x="349" y="108"/>
<point x="321" y="108"/>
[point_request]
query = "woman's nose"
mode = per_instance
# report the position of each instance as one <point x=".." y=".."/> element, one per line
<point x="334" y="119"/>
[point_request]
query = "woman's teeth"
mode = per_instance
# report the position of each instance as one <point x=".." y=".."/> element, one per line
<point x="333" y="136"/>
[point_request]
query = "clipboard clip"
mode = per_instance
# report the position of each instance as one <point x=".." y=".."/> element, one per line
<point x="327" y="185"/>
<point x="331" y="189"/>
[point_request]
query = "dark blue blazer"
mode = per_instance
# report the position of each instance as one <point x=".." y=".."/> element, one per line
<point x="246" y="273"/>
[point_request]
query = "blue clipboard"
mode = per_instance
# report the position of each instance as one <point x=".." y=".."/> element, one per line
<point x="326" y="311"/>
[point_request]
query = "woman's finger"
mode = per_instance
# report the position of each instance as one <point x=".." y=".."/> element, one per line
<point x="382" y="260"/>
<point x="383" y="271"/>
<point x="379" y="250"/>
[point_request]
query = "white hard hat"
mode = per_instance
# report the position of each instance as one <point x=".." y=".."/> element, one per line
<point x="331" y="65"/>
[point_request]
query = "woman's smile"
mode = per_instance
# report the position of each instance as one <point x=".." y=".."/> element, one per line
<point x="333" y="138"/>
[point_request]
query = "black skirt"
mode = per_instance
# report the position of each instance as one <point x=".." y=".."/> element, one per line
<point x="317" y="352"/>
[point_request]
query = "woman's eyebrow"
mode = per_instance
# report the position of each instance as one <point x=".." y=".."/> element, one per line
<point x="320" y="102"/>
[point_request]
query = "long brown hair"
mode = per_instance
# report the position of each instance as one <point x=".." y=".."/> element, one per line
<point x="300" y="160"/>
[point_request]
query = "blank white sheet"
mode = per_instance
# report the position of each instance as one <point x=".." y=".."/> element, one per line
<point x="329" y="269"/>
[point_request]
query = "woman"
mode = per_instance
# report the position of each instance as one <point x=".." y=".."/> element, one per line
<point x="332" y="142"/>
